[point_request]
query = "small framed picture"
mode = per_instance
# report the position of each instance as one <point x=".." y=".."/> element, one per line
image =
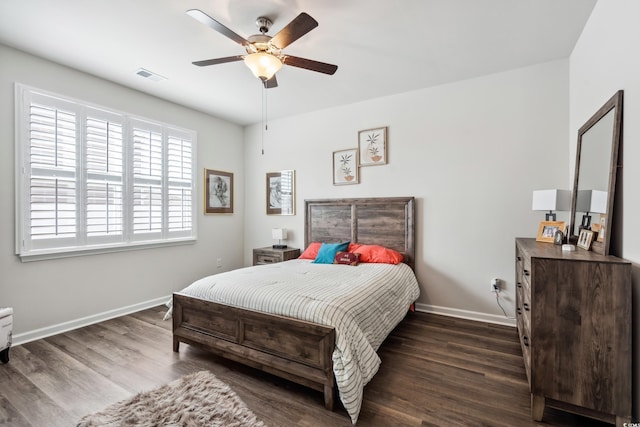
<point x="584" y="239"/>
<point x="372" y="146"/>
<point x="547" y="230"/>
<point x="281" y="192"/>
<point x="558" y="237"/>
<point x="218" y="191"/>
<point x="345" y="167"/>
<point x="603" y="228"/>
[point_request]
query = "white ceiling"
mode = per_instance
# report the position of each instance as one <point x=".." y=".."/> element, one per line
<point x="380" y="47"/>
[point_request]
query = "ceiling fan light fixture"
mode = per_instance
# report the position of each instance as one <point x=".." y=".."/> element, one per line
<point x="263" y="65"/>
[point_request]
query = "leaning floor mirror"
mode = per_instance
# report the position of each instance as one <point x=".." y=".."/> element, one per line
<point x="597" y="167"/>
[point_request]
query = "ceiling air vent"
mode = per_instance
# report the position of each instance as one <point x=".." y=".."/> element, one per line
<point x="150" y="75"/>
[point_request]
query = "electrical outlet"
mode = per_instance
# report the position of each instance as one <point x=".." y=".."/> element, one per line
<point x="495" y="285"/>
<point x="219" y="263"/>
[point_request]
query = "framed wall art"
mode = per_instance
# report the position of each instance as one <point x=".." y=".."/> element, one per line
<point x="218" y="191"/>
<point x="547" y="230"/>
<point x="345" y="167"/>
<point x="372" y="146"/>
<point x="281" y="193"/>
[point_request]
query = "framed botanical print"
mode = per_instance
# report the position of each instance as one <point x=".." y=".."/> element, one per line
<point x="372" y="146"/>
<point x="218" y="191"/>
<point x="345" y="167"/>
<point x="281" y="193"/>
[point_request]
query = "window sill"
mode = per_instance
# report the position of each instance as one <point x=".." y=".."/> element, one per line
<point x="94" y="250"/>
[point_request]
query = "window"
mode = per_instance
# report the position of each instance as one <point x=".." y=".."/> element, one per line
<point x="93" y="180"/>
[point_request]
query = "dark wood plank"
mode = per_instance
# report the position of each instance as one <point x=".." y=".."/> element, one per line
<point x="436" y="371"/>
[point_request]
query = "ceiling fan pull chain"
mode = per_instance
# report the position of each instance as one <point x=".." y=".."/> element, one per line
<point x="266" y="108"/>
<point x="264" y="125"/>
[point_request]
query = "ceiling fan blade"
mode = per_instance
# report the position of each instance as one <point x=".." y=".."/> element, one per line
<point x="308" y="64"/>
<point x="212" y="23"/>
<point x="271" y="83"/>
<point x="215" y="61"/>
<point x="297" y="28"/>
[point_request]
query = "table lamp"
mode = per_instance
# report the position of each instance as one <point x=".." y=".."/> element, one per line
<point x="551" y="200"/>
<point x="279" y="234"/>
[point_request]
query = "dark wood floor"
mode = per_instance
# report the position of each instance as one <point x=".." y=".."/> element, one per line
<point x="436" y="371"/>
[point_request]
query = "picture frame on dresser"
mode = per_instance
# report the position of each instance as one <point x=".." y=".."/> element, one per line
<point x="547" y="230"/>
<point x="585" y="239"/>
<point x="602" y="229"/>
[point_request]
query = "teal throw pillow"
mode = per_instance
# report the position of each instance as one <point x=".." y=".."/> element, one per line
<point x="328" y="251"/>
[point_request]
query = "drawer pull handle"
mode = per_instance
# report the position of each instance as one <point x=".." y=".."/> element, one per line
<point x="519" y="258"/>
<point x="526" y="272"/>
<point x="525" y="340"/>
<point x="519" y="311"/>
<point x="519" y="284"/>
<point x="526" y="306"/>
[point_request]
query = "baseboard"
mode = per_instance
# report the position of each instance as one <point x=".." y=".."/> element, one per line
<point x="465" y="314"/>
<point x="37" y="334"/>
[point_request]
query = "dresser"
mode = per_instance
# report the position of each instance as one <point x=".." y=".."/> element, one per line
<point x="573" y="313"/>
<point x="269" y="255"/>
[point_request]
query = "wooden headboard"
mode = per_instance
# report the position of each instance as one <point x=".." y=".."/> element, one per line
<point x="386" y="221"/>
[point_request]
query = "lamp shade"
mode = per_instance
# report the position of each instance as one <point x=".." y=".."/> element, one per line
<point x="551" y="200"/>
<point x="263" y="65"/>
<point x="591" y="201"/>
<point x="279" y="233"/>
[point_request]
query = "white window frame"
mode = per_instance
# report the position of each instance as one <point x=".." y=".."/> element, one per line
<point x="167" y="235"/>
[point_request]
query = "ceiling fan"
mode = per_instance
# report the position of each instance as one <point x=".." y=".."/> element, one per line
<point x="264" y="53"/>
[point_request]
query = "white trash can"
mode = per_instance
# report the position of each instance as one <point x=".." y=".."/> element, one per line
<point x="6" y="329"/>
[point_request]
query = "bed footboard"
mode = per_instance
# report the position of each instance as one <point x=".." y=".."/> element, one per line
<point x="293" y="349"/>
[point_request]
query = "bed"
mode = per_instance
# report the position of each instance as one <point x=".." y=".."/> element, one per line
<point x="299" y="349"/>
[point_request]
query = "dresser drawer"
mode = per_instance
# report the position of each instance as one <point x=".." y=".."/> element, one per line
<point x="525" y="344"/>
<point x="523" y="321"/>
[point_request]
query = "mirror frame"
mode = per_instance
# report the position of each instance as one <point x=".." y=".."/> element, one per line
<point x="615" y="102"/>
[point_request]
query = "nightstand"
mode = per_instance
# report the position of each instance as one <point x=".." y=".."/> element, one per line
<point x="271" y="255"/>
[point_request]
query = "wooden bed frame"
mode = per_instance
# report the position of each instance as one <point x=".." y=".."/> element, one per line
<point x="294" y="349"/>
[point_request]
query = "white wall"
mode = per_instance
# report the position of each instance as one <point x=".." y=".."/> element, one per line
<point x="605" y="60"/>
<point x="48" y="293"/>
<point x="471" y="152"/>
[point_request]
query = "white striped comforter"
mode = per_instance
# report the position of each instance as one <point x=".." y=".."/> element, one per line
<point x="363" y="303"/>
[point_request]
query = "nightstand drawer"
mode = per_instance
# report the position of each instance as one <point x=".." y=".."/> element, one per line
<point x="271" y="255"/>
<point x="267" y="259"/>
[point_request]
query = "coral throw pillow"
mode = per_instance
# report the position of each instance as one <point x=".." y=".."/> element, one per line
<point x="379" y="254"/>
<point x="311" y="252"/>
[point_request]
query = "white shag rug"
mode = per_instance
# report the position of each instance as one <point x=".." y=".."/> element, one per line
<point x="196" y="400"/>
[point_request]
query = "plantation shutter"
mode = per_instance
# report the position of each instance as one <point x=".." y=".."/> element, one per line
<point x="105" y="177"/>
<point x="180" y="179"/>
<point x="147" y="180"/>
<point x="51" y="167"/>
